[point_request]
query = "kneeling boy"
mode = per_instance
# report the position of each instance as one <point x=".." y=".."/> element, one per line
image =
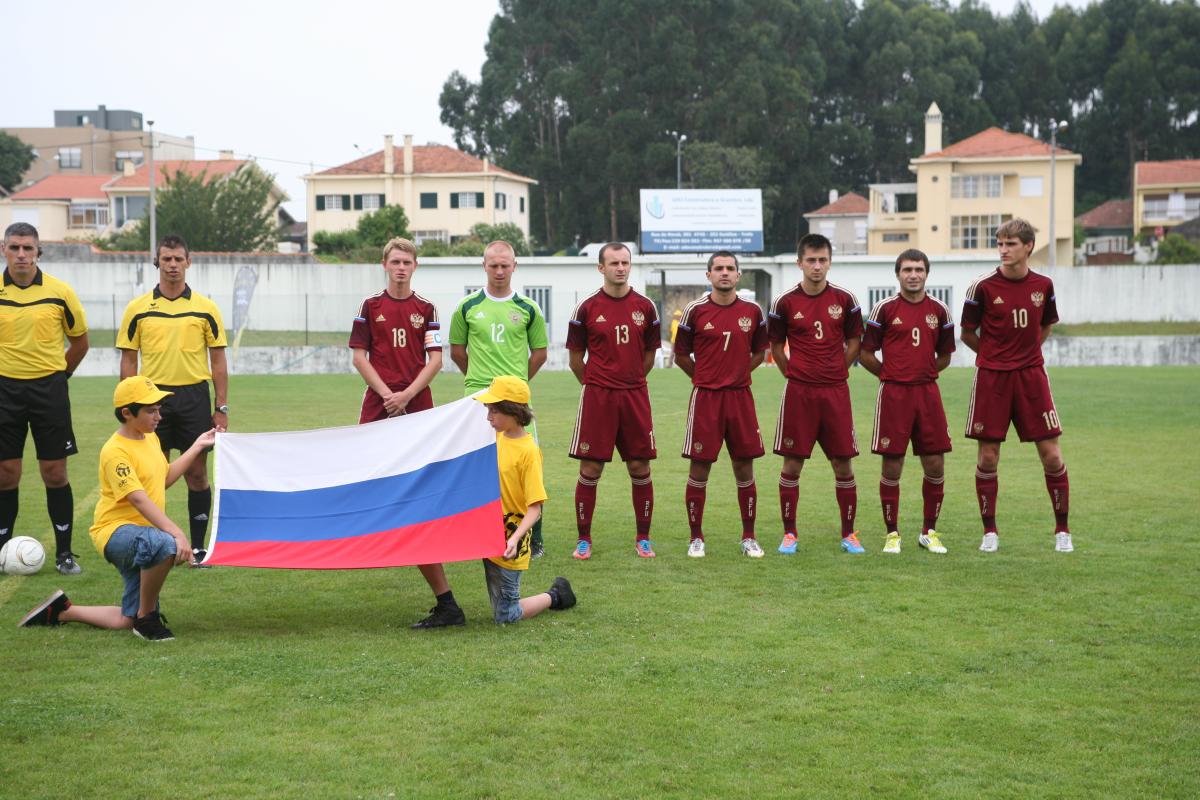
<point x="131" y="529"/>
<point x="521" y="496"/>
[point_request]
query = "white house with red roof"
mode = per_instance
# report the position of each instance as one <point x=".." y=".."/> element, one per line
<point x="1165" y="194"/>
<point x="843" y="221"/>
<point x="444" y="191"/>
<point x="964" y="192"/>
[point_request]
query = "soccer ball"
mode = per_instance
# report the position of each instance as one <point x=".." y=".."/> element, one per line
<point x="22" y="555"/>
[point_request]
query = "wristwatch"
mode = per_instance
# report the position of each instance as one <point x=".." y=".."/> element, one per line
<point x="221" y="409"/>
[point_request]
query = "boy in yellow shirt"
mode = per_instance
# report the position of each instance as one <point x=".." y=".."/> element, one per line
<point x="131" y="529"/>
<point x="522" y="494"/>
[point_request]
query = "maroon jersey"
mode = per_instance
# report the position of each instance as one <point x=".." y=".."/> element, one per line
<point x="396" y="334"/>
<point x="615" y="332"/>
<point x="816" y="328"/>
<point x="723" y="339"/>
<point x="1011" y="313"/>
<point x="912" y="336"/>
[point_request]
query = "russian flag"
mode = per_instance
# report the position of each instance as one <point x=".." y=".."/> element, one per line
<point x="415" y="489"/>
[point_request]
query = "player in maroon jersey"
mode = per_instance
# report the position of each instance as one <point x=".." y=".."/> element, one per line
<point x="617" y="330"/>
<point x="721" y="340"/>
<point x="821" y="325"/>
<point x="397" y="344"/>
<point x="1007" y="316"/>
<point x="916" y="335"/>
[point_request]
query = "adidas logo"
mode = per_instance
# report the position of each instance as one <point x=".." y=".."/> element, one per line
<point x="708" y="326"/>
<point x="601" y="318"/>
<point x="381" y="318"/>
<point x="998" y="301"/>
<point x="798" y="315"/>
<point x="480" y="315"/>
<point x="897" y="321"/>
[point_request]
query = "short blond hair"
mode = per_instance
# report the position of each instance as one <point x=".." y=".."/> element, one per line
<point x="1019" y="228"/>
<point x="401" y="244"/>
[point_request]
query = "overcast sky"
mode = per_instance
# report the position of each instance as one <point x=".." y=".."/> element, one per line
<point x="288" y="84"/>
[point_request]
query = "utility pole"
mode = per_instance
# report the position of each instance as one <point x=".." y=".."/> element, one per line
<point x="680" y="138"/>
<point x="153" y="196"/>
<point x="1055" y="127"/>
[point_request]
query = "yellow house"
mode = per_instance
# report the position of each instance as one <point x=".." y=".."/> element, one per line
<point x="444" y="191"/>
<point x="61" y="207"/>
<point x="1165" y="193"/>
<point x="964" y="192"/>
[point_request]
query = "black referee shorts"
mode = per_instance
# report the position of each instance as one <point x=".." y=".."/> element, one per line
<point x="41" y="405"/>
<point x="185" y="415"/>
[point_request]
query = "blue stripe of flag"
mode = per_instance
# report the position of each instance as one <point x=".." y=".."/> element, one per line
<point x="436" y="490"/>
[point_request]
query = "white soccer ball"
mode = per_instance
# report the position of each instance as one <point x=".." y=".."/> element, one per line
<point x="22" y="555"/>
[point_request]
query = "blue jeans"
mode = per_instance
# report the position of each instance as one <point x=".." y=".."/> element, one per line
<point x="131" y="549"/>
<point x="504" y="590"/>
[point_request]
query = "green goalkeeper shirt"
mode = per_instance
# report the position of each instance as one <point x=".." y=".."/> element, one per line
<point x="498" y="333"/>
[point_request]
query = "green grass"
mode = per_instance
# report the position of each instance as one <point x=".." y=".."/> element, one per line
<point x="1022" y="674"/>
<point x="1129" y="329"/>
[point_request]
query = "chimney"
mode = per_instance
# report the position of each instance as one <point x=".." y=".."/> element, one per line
<point x="833" y="196"/>
<point x="389" y="155"/>
<point x="486" y="165"/>
<point x="408" y="154"/>
<point x="933" y="129"/>
<point x="225" y="155"/>
<point x="127" y="168"/>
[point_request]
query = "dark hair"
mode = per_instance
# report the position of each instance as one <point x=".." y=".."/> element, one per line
<point x="522" y="412"/>
<point x="724" y="254"/>
<point x="612" y="246"/>
<point x="24" y="229"/>
<point x="171" y="242"/>
<point x="813" y="241"/>
<point x="134" y="410"/>
<point x="912" y="254"/>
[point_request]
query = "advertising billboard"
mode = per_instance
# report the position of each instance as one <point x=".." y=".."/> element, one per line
<point x="701" y="220"/>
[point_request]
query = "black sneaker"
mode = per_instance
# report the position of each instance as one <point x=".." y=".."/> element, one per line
<point x="536" y="549"/>
<point x="562" y="588"/>
<point x="441" y="617"/>
<point x="198" y="556"/>
<point x="151" y="628"/>
<point x="47" y="611"/>
<point x="65" y="564"/>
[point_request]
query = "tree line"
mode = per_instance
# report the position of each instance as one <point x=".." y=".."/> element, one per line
<point x="801" y="96"/>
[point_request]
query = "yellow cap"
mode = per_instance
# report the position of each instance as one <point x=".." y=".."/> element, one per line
<point x="505" y="387"/>
<point x="138" y="389"/>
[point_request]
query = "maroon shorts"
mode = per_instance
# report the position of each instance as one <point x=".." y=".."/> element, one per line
<point x="1020" y="396"/>
<point x="611" y="418"/>
<point x="905" y="412"/>
<point x="722" y="415"/>
<point x="373" y="410"/>
<point x="809" y="414"/>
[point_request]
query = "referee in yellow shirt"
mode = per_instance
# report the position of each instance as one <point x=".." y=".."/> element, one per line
<point x="182" y="342"/>
<point x="36" y="311"/>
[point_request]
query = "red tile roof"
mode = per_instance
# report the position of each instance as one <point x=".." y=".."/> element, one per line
<point x="65" y="187"/>
<point x="996" y="143"/>
<point x="849" y="203"/>
<point x="1167" y="173"/>
<point x="140" y="179"/>
<point x="428" y="159"/>
<point x="1112" y="214"/>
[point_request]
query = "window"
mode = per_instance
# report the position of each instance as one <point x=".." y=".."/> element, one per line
<point x="1155" y="206"/>
<point x="522" y="209"/>
<point x="1191" y="206"/>
<point x="827" y="229"/>
<point x="976" y="231"/>
<point x="1031" y="186"/>
<point x="420" y="237"/>
<point x="88" y="215"/>
<point x="135" y="157"/>
<point x="368" y="202"/>
<point x="70" y="158"/>
<point x="333" y="202"/>
<point x="501" y="201"/>
<point x="877" y="293"/>
<point x="466" y="200"/>
<point x="943" y="293"/>
<point x="428" y="199"/>
<point x="965" y="186"/>
<point x="860" y="231"/>
<point x="82" y="119"/>
<point x="895" y="237"/>
<point x="128" y="208"/>
<point x="541" y="296"/>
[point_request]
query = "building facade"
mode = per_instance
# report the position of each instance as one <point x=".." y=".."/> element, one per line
<point x="1165" y="194"/>
<point x="843" y="221"/>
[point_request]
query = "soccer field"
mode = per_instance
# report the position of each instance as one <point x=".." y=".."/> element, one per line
<point x="1024" y="673"/>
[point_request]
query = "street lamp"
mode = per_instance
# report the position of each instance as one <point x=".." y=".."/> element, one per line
<point x="1055" y="127"/>
<point x="153" y="209"/>
<point x="680" y="138"/>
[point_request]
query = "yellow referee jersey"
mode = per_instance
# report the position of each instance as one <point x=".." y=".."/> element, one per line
<point x="172" y="335"/>
<point x="33" y="321"/>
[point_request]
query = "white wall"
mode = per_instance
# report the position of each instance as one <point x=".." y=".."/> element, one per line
<point x="323" y="297"/>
